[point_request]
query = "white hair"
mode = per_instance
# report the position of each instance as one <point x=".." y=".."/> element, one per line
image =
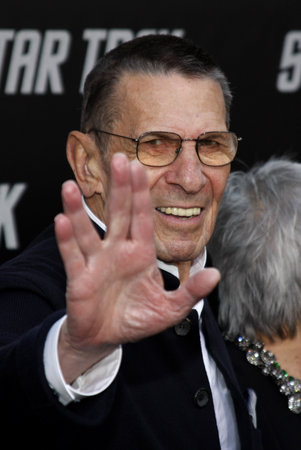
<point x="256" y="246"/>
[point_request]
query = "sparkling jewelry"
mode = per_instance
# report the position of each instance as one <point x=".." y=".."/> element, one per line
<point x="265" y="360"/>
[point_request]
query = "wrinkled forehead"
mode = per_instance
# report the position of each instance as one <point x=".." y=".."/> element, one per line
<point x="164" y="101"/>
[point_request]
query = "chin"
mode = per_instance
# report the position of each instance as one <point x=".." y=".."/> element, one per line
<point x="177" y="252"/>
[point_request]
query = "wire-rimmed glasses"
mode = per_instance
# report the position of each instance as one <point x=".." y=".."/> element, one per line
<point x="161" y="148"/>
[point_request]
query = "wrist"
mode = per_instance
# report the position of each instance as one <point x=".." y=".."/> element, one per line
<point x="76" y="359"/>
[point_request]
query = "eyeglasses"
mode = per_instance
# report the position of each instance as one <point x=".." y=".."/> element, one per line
<point x="161" y="148"/>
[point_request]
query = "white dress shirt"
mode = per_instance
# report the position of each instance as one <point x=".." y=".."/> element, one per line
<point x="101" y="375"/>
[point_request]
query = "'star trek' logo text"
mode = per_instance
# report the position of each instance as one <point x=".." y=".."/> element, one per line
<point x="32" y="62"/>
<point x="10" y="196"/>
<point x="289" y="77"/>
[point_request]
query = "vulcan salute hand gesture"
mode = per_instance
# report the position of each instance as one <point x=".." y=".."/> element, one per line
<point x="115" y="291"/>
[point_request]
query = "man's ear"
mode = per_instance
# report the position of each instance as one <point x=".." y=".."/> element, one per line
<point x="86" y="163"/>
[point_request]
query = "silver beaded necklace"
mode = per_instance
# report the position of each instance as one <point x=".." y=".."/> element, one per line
<point x="265" y="360"/>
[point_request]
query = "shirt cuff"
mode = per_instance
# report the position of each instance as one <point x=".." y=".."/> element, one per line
<point x="94" y="381"/>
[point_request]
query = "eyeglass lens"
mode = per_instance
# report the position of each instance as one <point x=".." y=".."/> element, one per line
<point x="161" y="149"/>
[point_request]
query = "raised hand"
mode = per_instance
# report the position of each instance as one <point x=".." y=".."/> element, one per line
<point x="115" y="293"/>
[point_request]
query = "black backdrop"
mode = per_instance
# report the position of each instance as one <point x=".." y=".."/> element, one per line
<point x="47" y="47"/>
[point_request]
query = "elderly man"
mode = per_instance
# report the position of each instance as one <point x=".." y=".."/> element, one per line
<point x="108" y="341"/>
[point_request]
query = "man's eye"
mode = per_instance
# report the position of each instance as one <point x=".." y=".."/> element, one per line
<point x="208" y="142"/>
<point x="160" y="143"/>
<point x="155" y="142"/>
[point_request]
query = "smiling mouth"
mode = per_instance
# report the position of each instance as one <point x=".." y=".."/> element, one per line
<point x="180" y="212"/>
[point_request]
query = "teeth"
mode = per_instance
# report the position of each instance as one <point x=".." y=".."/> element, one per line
<point x="182" y="212"/>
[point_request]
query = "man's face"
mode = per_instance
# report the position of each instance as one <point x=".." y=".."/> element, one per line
<point x="188" y="107"/>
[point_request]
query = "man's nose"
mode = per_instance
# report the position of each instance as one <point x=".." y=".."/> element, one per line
<point x="187" y="170"/>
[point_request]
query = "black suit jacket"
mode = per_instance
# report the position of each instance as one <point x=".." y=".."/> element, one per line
<point x="160" y="399"/>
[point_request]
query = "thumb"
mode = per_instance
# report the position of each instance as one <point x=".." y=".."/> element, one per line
<point x="201" y="284"/>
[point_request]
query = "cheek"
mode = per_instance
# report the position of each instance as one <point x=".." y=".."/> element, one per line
<point x="154" y="175"/>
<point x="218" y="184"/>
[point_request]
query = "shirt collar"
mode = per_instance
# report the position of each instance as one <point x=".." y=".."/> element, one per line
<point x="93" y="217"/>
<point x="197" y="264"/>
